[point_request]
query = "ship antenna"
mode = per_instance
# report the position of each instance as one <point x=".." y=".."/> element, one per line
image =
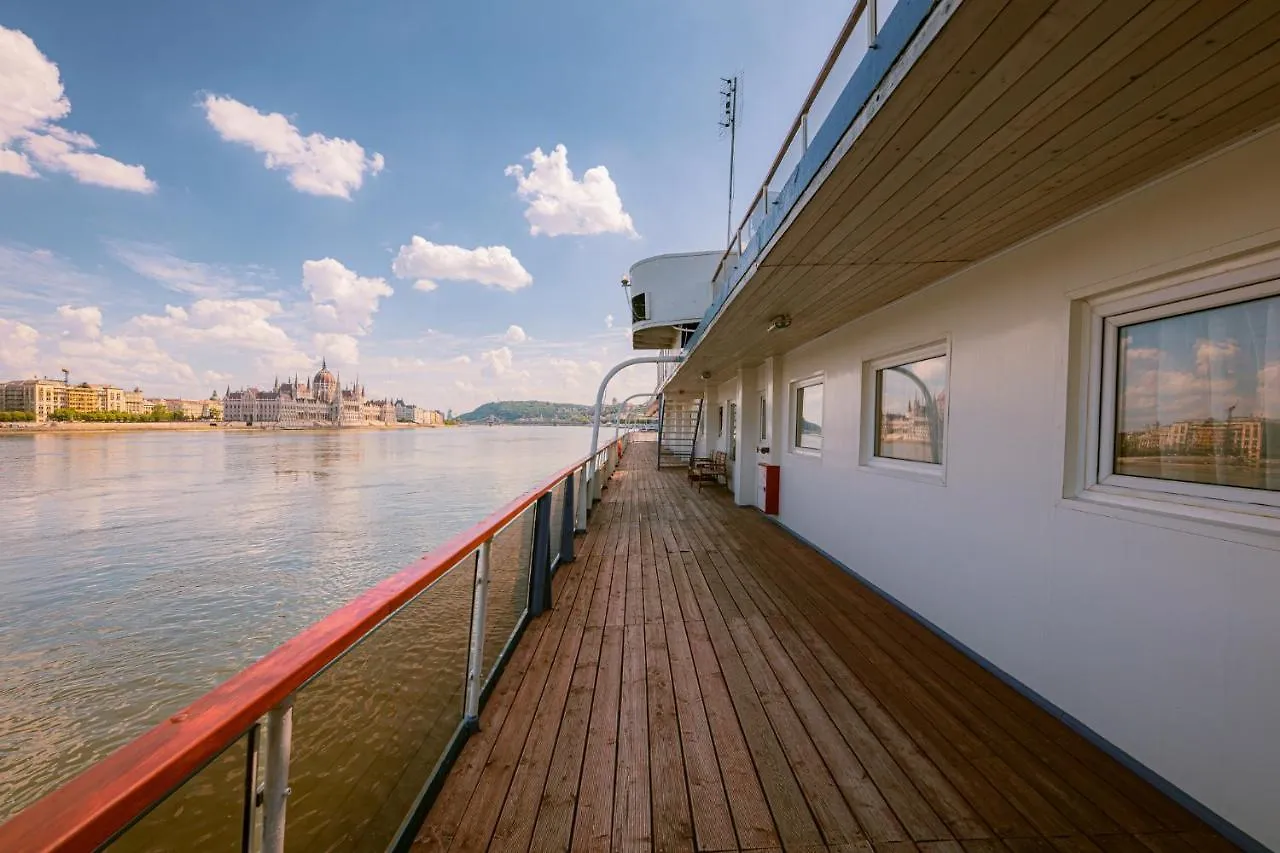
<point x="729" y="124"/>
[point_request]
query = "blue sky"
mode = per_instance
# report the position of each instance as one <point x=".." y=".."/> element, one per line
<point x="179" y="263"/>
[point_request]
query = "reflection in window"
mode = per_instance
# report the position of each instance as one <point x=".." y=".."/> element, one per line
<point x="809" y="416"/>
<point x="911" y="408"/>
<point x="1198" y="397"/>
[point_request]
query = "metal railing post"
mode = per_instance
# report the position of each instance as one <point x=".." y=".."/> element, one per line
<point x="249" y="821"/>
<point x="275" y="797"/>
<point x="804" y="132"/>
<point x="540" y="568"/>
<point x="567" y="521"/>
<point x="873" y="26"/>
<point x="475" y="654"/>
<point x="584" y="496"/>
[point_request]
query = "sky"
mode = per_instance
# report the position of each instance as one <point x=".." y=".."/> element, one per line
<point x="437" y="198"/>
<point x="1217" y="363"/>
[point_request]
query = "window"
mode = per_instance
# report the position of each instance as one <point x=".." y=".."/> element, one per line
<point x="1190" y="395"/>
<point x="720" y="421"/>
<point x="911" y="405"/>
<point x="808" y="420"/>
<point x="764" y="417"/>
<point x="904" y="421"/>
<point x="639" y="307"/>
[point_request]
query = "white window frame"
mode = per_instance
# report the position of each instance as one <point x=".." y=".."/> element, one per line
<point x="1106" y="316"/>
<point x="925" y="472"/>
<point x="793" y="423"/>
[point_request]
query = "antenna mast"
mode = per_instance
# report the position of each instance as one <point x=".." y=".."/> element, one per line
<point x="729" y="123"/>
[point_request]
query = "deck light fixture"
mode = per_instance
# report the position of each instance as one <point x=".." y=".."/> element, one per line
<point x="779" y="322"/>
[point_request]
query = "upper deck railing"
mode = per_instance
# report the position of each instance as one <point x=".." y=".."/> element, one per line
<point x="851" y="70"/>
<point x="797" y="138"/>
<point x="353" y="723"/>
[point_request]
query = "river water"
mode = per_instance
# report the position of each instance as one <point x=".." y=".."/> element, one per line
<point x="138" y="570"/>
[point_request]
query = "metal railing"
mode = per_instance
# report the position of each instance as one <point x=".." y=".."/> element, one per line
<point x="781" y="185"/>
<point x="796" y="141"/>
<point x="341" y="737"/>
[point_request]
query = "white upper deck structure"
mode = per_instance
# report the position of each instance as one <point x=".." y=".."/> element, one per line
<point x="1005" y="312"/>
<point x="669" y="294"/>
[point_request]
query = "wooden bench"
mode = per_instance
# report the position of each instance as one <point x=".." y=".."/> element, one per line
<point x="703" y="469"/>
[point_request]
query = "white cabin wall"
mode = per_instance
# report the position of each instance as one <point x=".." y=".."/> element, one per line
<point x="1165" y="642"/>
<point x="744" y="478"/>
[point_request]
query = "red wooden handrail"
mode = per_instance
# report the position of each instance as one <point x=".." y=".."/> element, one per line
<point x="109" y="795"/>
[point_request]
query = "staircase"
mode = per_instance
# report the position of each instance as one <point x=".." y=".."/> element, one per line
<point x="678" y="424"/>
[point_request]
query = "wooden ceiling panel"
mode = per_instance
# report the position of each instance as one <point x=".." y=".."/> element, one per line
<point x="1016" y="116"/>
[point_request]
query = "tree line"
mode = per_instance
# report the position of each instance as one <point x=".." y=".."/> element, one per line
<point x="158" y="414"/>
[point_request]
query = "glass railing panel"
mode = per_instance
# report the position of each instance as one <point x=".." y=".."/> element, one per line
<point x="205" y="813"/>
<point x="883" y="9"/>
<point x="557" y="521"/>
<point x="509" y="562"/>
<point x="851" y="54"/>
<point x="369" y="730"/>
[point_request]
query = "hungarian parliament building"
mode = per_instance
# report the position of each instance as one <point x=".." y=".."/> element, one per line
<point x="320" y="401"/>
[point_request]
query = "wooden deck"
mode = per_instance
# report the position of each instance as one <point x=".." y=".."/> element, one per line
<point x="705" y="681"/>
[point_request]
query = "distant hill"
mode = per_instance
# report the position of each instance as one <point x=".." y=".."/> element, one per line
<point x="532" y="412"/>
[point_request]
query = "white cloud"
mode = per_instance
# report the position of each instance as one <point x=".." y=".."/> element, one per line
<point x="569" y="370"/>
<point x="343" y="301"/>
<point x="32" y="102"/>
<point x="110" y="358"/>
<point x="490" y="265"/>
<point x="238" y="323"/>
<point x="122" y="359"/>
<point x="608" y="321"/>
<point x="81" y="323"/>
<point x="463" y="371"/>
<point x="208" y="281"/>
<point x="497" y="362"/>
<point x="19" y="344"/>
<point x="215" y="377"/>
<point x="317" y="164"/>
<point x="1269" y="390"/>
<point x="40" y="276"/>
<point x="560" y="205"/>
<point x="515" y="335"/>
<point x="342" y="349"/>
<point x="1216" y="357"/>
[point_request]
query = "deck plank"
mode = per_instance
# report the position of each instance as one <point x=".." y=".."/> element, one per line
<point x="593" y="818"/>
<point x="707" y="682"/>
<point x="632" y="829"/>
<point x="712" y="822"/>
<point x="672" y="821"/>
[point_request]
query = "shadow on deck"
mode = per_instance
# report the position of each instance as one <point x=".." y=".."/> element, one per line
<point x="705" y="681"/>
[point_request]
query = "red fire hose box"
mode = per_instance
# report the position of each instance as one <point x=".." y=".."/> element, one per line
<point x="768" y="485"/>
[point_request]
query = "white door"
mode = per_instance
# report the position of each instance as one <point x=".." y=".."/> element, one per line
<point x="733" y="443"/>
<point x="762" y="445"/>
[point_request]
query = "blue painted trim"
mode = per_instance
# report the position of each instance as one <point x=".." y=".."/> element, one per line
<point x="895" y="34"/>
<point x="540" y="558"/>
<point x="567" y="520"/>
<point x="1232" y="833"/>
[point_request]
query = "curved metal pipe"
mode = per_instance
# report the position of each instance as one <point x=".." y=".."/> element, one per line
<point x="604" y="384"/>
<point x="618" y="423"/>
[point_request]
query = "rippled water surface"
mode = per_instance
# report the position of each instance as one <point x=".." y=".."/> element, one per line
<point x="138" y="570"/>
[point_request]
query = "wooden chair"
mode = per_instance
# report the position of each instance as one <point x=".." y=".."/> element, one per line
<point x="705" y="469"/>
